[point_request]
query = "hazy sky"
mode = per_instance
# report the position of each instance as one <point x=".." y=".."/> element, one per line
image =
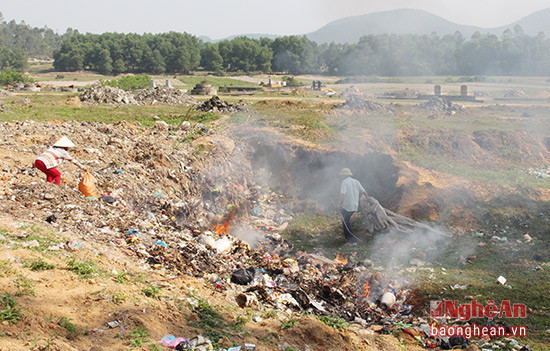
<point x="222" y="18"/>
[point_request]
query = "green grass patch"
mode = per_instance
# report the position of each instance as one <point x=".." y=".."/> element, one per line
<point x="294" y="117"/>
<point x="9" y="311"/>
<point x="122" y="278"/>
<point x="137" y="337"/>
<point x="39" y="265"/>
<point x="215" y="81"/>
<point x="84" y="269"/>
<point x="5" y="269"/>
<point x="25" y="286"/>
<point x="119" y="298"/>
<point x="334" y="322"/>
<point x="47" y="107"/>
<point x="214" y="325"/>
<point x="289" y="323"/>
<point x="151" y="291"/>
<point x="28" y="233"/>
<point x="72" y="331"/>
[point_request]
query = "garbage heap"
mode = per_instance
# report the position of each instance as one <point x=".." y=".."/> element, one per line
<point x="181" y="206"/>
<point x="215" y="104"/>
<point x="106" y="95"/>
<point x="169" y="96"/>
<point x="356" y="103"/>
<point x="440" y="104"/>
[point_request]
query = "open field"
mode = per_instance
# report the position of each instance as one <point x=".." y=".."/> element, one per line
<point x="475" y="172"/>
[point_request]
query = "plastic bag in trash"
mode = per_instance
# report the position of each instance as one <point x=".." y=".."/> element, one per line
<point x="87" y="185"/>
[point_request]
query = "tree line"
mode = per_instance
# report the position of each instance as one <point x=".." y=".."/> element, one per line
<point x="34" y="42"/>
<point x="513" y="53"/>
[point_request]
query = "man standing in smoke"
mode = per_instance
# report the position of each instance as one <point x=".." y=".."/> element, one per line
<point x="350" y="192"/>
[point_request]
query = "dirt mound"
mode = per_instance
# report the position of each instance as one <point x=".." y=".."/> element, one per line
<point x="215" y="104"/>
<point x="106" y="95"/>
<point x="169" y="96"/>
<point x="72" y="101"/>
<point x="440" y="104"/>
<point x="357" y="103"/>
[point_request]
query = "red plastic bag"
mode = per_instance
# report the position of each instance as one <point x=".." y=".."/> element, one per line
<point x="87" y="185"/>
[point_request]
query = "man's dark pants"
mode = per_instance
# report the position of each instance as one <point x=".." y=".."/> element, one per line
<point x="346" y="224"/>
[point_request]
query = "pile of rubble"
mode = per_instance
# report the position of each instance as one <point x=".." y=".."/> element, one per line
<point x="215" y="104"/>
<point x="440" y="104"/>
<point x="515" y="94"/>
<point x="106" y="95"/>
<point x="357" y="103"/>
<point x="351" y="90"/>
<point x="169" y="96"/>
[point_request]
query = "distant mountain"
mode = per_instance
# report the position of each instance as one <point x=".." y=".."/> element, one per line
<point x="531" y="25"/>
<point x="411" y="21"/>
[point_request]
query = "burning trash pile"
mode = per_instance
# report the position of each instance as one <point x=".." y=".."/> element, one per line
<point x="440" y="104"/>
<point x="215" y="104"/>
<point x="200" y="214"/>
<point x="169" y="96"/>
<point x="356" y="103"/>
<point x="107" y="95"/>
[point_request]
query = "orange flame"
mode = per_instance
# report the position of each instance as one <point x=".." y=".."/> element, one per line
<point x="340" y="260"/>
<point x="366" y="289"/>
<point x="222" y="229"/>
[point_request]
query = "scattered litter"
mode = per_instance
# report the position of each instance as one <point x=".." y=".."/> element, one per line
<point x="459" y="287"/>
<point x="501" y="280"/>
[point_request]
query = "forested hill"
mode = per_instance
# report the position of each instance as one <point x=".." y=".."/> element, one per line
<point x="35" y="42"/>
<point x="411" y="21"/>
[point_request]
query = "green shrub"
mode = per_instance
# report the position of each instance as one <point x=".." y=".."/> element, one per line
<point x="291" y="81"/>
<point x="12" y="77"/>
<point x="140" y="81"/>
